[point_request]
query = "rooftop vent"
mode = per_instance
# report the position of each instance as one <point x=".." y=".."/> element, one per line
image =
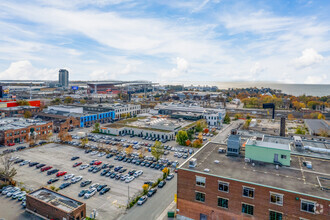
<point x="216" y="161"/>
<point x="206" y="170"/>
<point x="192" y="163"/>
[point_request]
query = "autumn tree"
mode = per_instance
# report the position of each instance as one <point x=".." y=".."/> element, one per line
<point x="290" y="117"/>
<point x="157" y="150"/>
<point x="7" y="171"/>
<point x="188" y="142"/>
<point x="197" y="144"/>
<point x="68" y="100"/>
<point x="324" y="133"/>
<point x="64" y="136"/>
<point x="27" y="114"/>
<point x="200" y="125"/>
<point x="206" y="130"/>
<point x="56" y="101"/>
<point x="182" y="137"/>
<point x="321" y="116"/>
<point x="129" y="150"/>
<point x="165" y="171"/>
<point x="96" y="128"/>
<point x="141" y="153"/>
<point x="145" y="188"/>
<point x="22" y="102"/>
<point x="84" y="141"/>
<point x="83" y="101"/>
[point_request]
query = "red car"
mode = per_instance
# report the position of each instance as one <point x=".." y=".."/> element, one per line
<point x="11" y="144"/>
<point x="61" y="173"/>
<point x="46" y="168"/>
<point x="97" y="163"/>
<point x="77" y="164"/>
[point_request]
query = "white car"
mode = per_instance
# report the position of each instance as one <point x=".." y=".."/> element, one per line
<point x="91" y="192"/>
<point x="68" y="176"/>
<point x="14" y="190"/>
<point x="101" y="154"/>
<point x="25" y="162"/>
<point x="138" y="173"/>
<point x="123" y="178"/>
<point x="84" y="166"/>
<point x="76" y="179"/>
<point x="13" y="158"/>
<point x="94" y="152"/>
<point x="18" y="194"/>
<point x="94" y="185"/>
<point x="129" y="179"/>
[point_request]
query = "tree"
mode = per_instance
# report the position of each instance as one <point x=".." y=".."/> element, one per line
<point x="141" y="153"/>
<point x="84" y="141"/>
<point x="226" y="120"/>
<point x="165" y="171"/>
<point x="145" y="188"/>
<point x="290" y="117"/>
<point x="182" y="137"/>
<point x="22" y="102"/>
<point x="129" y="150"/>
<point x="119" y="148"/>
<point x="197" y="144"/>
<point x="299" y="130"/>
<point x="7" y="171"/>
<point x="200" y="137"/>
<point x="56" y="101"/>
<point x="27" y="114"/>
<point x="96" y="128"/>
<point x="238" y="116"/>
<point x="68" y="100"/>
<point x="157" y="150"/>
<point x="200" y="125"/>
<point x="321" y="116"/>
<point x="206" y="130"/>
<point x="188" y="142"/>
<point x="83" y="101"/>
<point x="190" y="133"/>
<point x="64" y="136"/>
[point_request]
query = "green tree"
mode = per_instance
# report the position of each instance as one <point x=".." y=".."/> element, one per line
<point x="226" y="120"/>
<point x="182" y="137"/>
<point x="82" y="101"/>
<point x="157" y="150"/>
<point x="200" y="125"/>
<point x="56" y="101"/>
<point x="299" y="130"/>
<point x="190" y="133"/>
<point x="27" y="114"/>
<point x="96" y="128"/>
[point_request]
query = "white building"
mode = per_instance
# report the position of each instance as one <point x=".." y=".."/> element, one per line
<point x="131" y="109"/>
<point x="66" y="108"/>
<point x="214" y="118"/>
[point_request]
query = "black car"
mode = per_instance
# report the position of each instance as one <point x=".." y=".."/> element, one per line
<point x="20" y="148"/>
<point x="53" y="180"/>
<point x="85" y="183"/>
<point x="118" y="168"/>
<point x="64" y="185"/>
<point x="109" y="156"/>
<point x="96" y="169"/>
<point x="88" y="151"/>
<point x="82" y="192"/>
<point x="33" y="164"/>
<point x="91" y="169"/>
<point x="118" y="176"/>
<point x="147" y="164"/>
<point x="152" y="192"/>
<point x="161" y="184"/>
<point x="50" y="172"/>
<point x="104" y="166"/>
<point x="157" y="166"/>
<point x="40" y="165"/>
<point x="74" y="158"/>
<point x="131" y="172"/>
<point x="100" y="187"/>
<point x="111" y="166"/>
<point x="105" y="172"/>
<point x="104" y="190"/>
<point x="19" y="161"/>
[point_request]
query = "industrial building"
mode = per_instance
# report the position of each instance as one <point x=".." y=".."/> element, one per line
<point x="213" y="185"/>
<point x="316" y="126"/>
<point x="19" y="130"/>
<point x="18" y="111"/>
<point x="48" y="204"/>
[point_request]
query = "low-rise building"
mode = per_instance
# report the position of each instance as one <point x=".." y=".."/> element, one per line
<point x="19" y="130"/>
<point x="48" y="204"/>
<point x="18" y="111"/>
<point x="217" y="186"/>
<point x="316" y="126"/>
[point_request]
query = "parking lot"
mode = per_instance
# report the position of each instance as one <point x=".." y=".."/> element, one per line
<point x="108" y="206"/>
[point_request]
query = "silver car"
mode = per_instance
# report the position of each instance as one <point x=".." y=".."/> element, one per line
<point x="91" y="192"/>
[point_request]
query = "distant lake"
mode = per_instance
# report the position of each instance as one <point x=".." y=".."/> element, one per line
<point x="292" y="89"/>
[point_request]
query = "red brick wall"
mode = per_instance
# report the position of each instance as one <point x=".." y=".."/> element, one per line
<point x="190" y="208"/>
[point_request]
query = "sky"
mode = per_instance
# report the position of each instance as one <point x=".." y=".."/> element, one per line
<point x="285" y="41"/>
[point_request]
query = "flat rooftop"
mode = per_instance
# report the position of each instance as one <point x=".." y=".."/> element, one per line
<point x="296" y="178"/>
<point x="58" y="200"/>
<point x="268" y="144"/>
<point x="18" y="123"/>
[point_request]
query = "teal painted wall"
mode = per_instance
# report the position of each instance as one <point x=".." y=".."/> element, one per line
<point x="266" y="154"/>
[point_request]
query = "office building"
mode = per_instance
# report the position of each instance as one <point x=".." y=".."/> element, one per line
<point x="63" y="78"/>
<point x="213" y="185"/>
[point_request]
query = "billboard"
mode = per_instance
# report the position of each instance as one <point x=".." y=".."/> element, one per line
<point x="4" y="91"/>
<point x="74" y="87"/>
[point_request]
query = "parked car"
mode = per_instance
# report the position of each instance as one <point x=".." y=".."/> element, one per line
<point x="53" y="180"/>
<point x="61" y="173"/>
<point x="91" y="192"/>
<point x="100" y="187"/>
<point x="96" y="169"/>
<point x="170" y="176"/>
<point x="104" y="190"/>
<point x="24" y="162"/>
<point x="97" y="163"/>
<point x="82" y="192"/>
<point x="64" y="185"/>
<point x="85" y="183"/>
<point x="76" y="179"/>
<point x="19" y="161"/>
<point x="77" y="164"/>
<point x="46" y="168"/>
<point x="129" y="179"/>
<point x="142" y="200"/>
<point x="84" y="166"/>
<point x="91" y="168"/>
<point x="50" y="172"/>
<point x="75" y="158"/>
<point x="38" y="166"/>
<point x="68" y="176"/>
<point x="31" y="164"/>
<point x="152" y="192"/>
<point x="94" y="185"/>
<point x="161" y="184"/>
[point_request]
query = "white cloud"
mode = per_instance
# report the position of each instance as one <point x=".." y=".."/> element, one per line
<point x="309" y="57"/>
<point x="24" y="70"/>
<point x="315" y="79"/>
<point x="181" y="69"/>
<point x="100" y="75"/>
<point x="257" y="69"/>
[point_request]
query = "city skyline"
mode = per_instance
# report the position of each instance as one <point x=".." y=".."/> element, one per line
<point x="210" y="40"/>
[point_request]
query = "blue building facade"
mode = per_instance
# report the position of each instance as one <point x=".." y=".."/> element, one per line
<point x="103" y="117"/>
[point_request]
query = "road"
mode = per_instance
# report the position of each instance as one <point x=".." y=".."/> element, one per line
<point x="155" y="205"/>
<point x="226" y="130"/>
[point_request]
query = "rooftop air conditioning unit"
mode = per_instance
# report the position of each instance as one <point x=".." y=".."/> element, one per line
<point x="192" y="163"/>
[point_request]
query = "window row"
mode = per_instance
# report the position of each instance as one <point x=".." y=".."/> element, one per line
<point x="305" y="205"/>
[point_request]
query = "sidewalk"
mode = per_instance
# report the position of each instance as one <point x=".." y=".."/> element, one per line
<point x="171" y="207"/>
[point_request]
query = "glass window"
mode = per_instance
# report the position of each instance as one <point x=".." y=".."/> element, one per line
<point x="283" y="156"/>
<point x="247" y="209"/>
<point x="224" y="187"/>
<point x="248" y="192"/>
<point x="200" y="181"/>
<point x="223" y="203"/>
<point x="200" y="197"/>
<point x="275" y="215"/>
<point x="276" y="198"/>
<point x="308" y="206"/>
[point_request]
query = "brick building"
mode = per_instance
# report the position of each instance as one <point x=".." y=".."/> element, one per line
<point x="18" y="130"/>
<point x="216" y="186"/>
<point x="60" y="122"/>
<point x="48" y="204"/>
<point x="18" y="111"/>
